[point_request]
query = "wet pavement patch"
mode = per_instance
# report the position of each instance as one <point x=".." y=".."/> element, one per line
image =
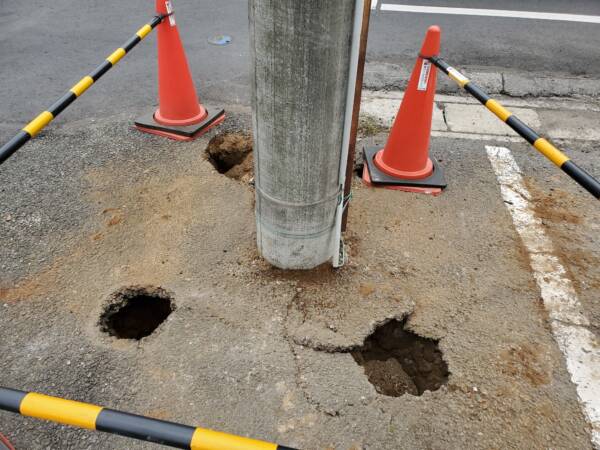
<point x="397" y="361"/>
<point x="136" y="312"/>
<point x="231" y="155"/>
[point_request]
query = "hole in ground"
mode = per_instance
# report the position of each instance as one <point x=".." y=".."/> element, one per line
<point x="398" y="362"/>
<point x="135" y="312"/>
<point x="231" y="155"/>
<point x="358" y="167"/>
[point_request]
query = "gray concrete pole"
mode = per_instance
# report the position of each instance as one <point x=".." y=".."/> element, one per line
<point x="301" y="53"/>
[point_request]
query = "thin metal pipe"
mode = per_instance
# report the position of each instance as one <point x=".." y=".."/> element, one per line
<point x="338" y="255"/>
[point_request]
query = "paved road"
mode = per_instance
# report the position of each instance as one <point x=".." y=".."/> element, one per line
<point x="47" y="46"/>
<point x="521" y="44"/>
<point x="114" y="207"/>
<point x="93" y="205"/>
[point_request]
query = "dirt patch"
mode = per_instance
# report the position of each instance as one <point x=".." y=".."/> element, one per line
<point x="135" y="312"/>
<point x="366" y="289"/>
<point x="566" y="224"/>
<point x="313" y="287"/>
<point x="369" y="125"/>
<point x="116" y="216"/>
<point x="554" y="205"/>
<point x="585" y="264"/>
<point x="526" y="361"/>
<point x="115" y="220"/>
<point x="398" y="362"/>
<point x="231" y="155"/>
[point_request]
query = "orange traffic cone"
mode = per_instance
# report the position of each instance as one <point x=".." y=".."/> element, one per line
<point x="180" y="115"/>
<point x="404" y="162"/>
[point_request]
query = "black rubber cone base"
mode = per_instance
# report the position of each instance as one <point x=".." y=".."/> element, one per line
<point x="148" y="124"/>
<point x="435" y="180"/>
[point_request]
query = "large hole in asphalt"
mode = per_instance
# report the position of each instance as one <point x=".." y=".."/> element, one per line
<point x="397" y="361"/>
<point x="231" y="155"/>
<point x="135" y="312"/>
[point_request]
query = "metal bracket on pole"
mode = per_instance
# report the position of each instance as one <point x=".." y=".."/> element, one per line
<point x="339" y="253"/>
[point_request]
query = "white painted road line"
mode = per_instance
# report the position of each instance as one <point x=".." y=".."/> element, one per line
<point x="374" y="4"/>
<point x="490" y="13"/>
<point x="579" y="345"/>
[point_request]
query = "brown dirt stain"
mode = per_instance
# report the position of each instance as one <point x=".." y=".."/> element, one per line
<point x="115" y="220"/>
<point x="154" y="199"/>
<point x="159" y="413"/>
<point x="554" y="209"/>
<point x="583" y="263"/>
<point x="39" y="283"/>
<point x="553" y="206"/>
<point x="527" y="362"/>
<point x="366" y="289"/>
<point x="320" y="275"/>
<point x="353" y="242"/>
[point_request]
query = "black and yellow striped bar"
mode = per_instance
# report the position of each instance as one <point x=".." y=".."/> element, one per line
<point x="92" y="417"/>
<point x="542" y="145"/>
<point x="38" y="124"/>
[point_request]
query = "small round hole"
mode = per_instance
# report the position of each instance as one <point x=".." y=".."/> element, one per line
<point x="231" y="155"/>
<point x="136" y="312"/>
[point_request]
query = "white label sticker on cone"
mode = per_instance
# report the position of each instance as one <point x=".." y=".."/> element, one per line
<point x="169" y="6"/>
<point x="424" y="77"/>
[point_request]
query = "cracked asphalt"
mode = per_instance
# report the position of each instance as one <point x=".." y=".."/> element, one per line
<point x="92" y="206"/>
<point x="246" y="337"/>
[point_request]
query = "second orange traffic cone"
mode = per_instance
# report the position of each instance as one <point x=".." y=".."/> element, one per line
<point x="404" y="162"/>
<point x="180" y="115"/>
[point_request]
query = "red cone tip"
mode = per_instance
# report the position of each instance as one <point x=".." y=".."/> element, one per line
<point x="180" y="114"/>
<point x="161" y="7"/>
<point x="431" y="44"/>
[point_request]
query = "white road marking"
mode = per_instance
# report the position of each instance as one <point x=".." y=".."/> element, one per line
<point x="476" y="137"/>
<point x="374" y="4"/>
<point x="490" y="13"/>
<point x="579" y="345"/>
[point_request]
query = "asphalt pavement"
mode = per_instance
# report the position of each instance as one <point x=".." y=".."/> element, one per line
<point x="48" y="46"/>
<point x="508" y="43"/>
<point x="91" y="206"/>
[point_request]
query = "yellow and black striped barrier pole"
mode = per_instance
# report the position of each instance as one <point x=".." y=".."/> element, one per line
<point x="92" y="417"/>
<point x="40" y="122"/>
<point x="542" y="145"/>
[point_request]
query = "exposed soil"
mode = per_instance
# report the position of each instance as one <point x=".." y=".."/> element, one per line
<point x="554" y="205"/>
<point x="231" y="155"/>
<point x="369" y="125"/>
<point x="399" y="362"/>
<point x="527" y="361"/>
